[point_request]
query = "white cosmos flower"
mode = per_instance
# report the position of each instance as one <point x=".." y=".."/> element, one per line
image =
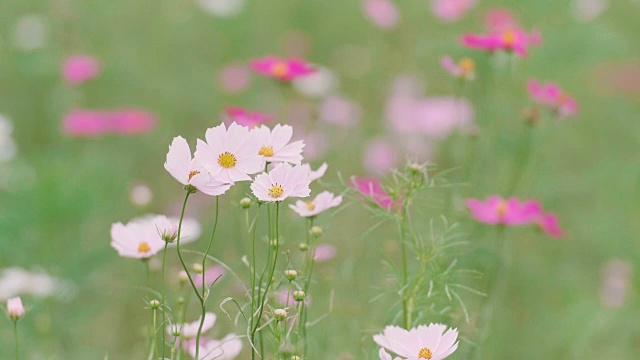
<point x="226" y="349"/>
<point x="190" y="232"/>
<point x="17" y="281"/>
<point x="143" y="237"/>
<point x="189" y="172"/>
<point x="231" y="154"/>
<point x="282" y="182"/>
<point x="190" y="330"/>
<point x="433" y="342"/>
<point x="274" y="144"/>
<point x="325" y="200"/>
<point x="317" y="174"/>
<point x="385" y="355"/>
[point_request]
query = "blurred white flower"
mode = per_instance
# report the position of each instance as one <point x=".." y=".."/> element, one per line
<point x="8" y="147"/>
<point x="222" y="8"/>
<point x="587" y="10"/>
<point x="318" y="84"/>
<point x="17" y="281"/>
<point x="141" y="195"/>
<point x="617" y="276"/>
<point x="29" y="33"/>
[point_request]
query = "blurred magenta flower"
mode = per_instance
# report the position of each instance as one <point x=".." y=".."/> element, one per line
<point x="498" y="211"/>
<point x="498" y="19"/>
<point x="234" y="78"/>
<point x="550" y="225"/>
<point x="464" y="69"/>
<point x="382" y="13"/>
<point x="325" y="252"/>
<point x="551" y="95"/>
<point x="372" y="189"/>
<point x="86" y="123"/>
<point x="282" y="69"/>
<point x="80" y="68"/>
<point x="451" y="10"/>
<point x="131" y="121"/>
<point x="340" y="111"/>
<point x="246" y="118"/>
<point x="513" y="40"/>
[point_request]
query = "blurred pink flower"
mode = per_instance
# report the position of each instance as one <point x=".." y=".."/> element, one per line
<point x="282" y="69"/>
<point x="210" y="275"/>
<point x="383" y="13"/>
<point x="325" y="252"/>
<point x="551" y="95"/>
<point x="498" y="211"/>
<point x="512" y="40"/>
<point x="340" y="111"/>
<point x="617" y="280"/>
<point x="80" y="68"/>
<point x="246" y="118"/>
<point x="315" y="143"/>
<point x="451" y="10"/>
<point x="464" y="69"/>
<point x="234" y="78"/>
<point x="131" y="121"/>
<point x="380" y="156"/>
<point x="80" y="122"/>
<point x="497" y="19"/>
<point x="550" y="225"/>
<point x="373" y="190"/>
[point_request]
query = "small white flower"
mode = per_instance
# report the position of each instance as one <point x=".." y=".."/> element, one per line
<point x="432" y="342"/>
<point x="275" y="145"/>
<point x="317" y="174"/>
<point x="190" y="330"/>
<point x="324" y="201"/>
<point x="282" y="182"/>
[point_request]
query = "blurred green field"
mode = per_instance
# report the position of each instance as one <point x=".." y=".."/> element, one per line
<point x="164" y="56"/>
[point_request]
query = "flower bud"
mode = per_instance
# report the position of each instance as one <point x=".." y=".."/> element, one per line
<point x="299" y="295"/>
<point x="296" y="357"/>
<point x="245" y="203"/>
<point x="191" y="189"/>
<point x="316" y="231"/>
<point x="183" y="277"/>
<point x="15" y="309"/>
<point x="180" y="300"/>
<point x="290" y="274"/>
<point x="303" y="247"/>
<point x="170" y="235"/>
<point x="197" y="268"/>
<point x="154" y="304"/>
<point x="176" y="331"/>
<point x="280" y="314"/>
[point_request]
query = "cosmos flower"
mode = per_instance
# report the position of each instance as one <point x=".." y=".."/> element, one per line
<point x="384" y="355"/>
<point x="226" y="349"/>
<point x="281" y="182"/>
<point x="80" y="68"/>
<point x="229" y="154"/>
<point x="496" y="210"/>
<point x="551" y="95"/>
<point x="433" y="342"/>
<point x="139" y="239"/>
<point x="131" y="121"/>
<point x="373" y="190"/>
<point x="15" y="309"/>
<point x="323" y="201"/>
<point x="550" y="225"/>
<point x="190" y="330"/>
<point x="451" y="10"/>
<point x="464" y="69"/>
<point x="275" y="146"/>
<point x="188" y="172"/>
<point x="190" y="232"/>
<point x="247" y="118"/>
<point x="382" y="13"/>
<point x="87" y="123"/>
<point x="340" y="111"/>
<point x="17" y="281"/>
<point x="317" y="174"/>
<point x="511" y="40"/>
<point x="282" y="69"/>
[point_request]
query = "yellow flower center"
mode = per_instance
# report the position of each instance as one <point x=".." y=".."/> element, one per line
<point x="276" y="191"/>
<point x="193" y="173"/>
<point x="266" y="151"/>
<point x="509" y="37"/>
<point x="279" y="69"/>
<point x="467" y="65"/>
<point x="425" y="354"/>
<point x="502" y="208"/>
<point x="311" y="206"/>
<point x="227" y="160"/>
<point x="144" y="248"/>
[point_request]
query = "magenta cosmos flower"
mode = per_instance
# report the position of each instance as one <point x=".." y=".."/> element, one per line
<point x="80" y="68"/>
<point x="512" y="40"/>
<point x="322" y="202"/>
<point x="229" y="154"/>
<point x="281" y="182"/>
<point x="464" y="69"/>
<point x="554" y="97"/>
<point x="282" y="69"/>
<point x="15" y="309"/>
<point x="275" y="146"/>
<point x="432" y="342"/>
<point x="189" y="172"/>
<point x="247" y="118"/>
<point x="451" y="10"/>
<point x="549" y="223"/>
<point x="373" y="190"/>
<point x="498" y="211"/>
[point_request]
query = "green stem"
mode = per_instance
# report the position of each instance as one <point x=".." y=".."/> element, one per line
<point x="15" y="333"/>
<point x="253" y="276"/>
<point x="154" y="345"/>
<point x="311" y="251"/>
<point x="162" y="305"/>
<point x="405" y="270"/>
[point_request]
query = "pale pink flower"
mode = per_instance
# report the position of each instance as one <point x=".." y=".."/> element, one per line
<point x="616" y="283"/>
<point x="190" y="330"/>
<point x="382" y="13"/>
<point x="282" y="69"/>
<point x="317" y="174"/>
<point x="380" y="156"/>
<point x="229" y="155"/>
<point x="80" y="122"/>
<point x="226" y="349"/>
<point x="234" y="78"/>
<point x="550" y="225"/>
<point x="315" y="144"/>
<point x="554" y="97"/>
<point x="433" y="341"/>
<point x="496" y="210"/>
<point x="451" y="10"/>
<point x="373" y="190"/>
<point x="188" y="172"/>
<point x="322" y="202"/>
<point x="136" y="239"/>
<point x="384" y="355"/>
<point x="163" y="225"/>
<point x="512" y="40"/>
<point x="275" y="146"/>
<point x="210" y="275"/>
<point x="15" y="309"/>
<point x="324" y="252"/>
<point x="247" y="118"/>
<point x="131" y="121"/>
<point x="281" y="182"/>
<point x="497" y="19"/>
<point x="80" y="68"/>
<point x="463" y="69"/>
<point x="435" y="117"/>
<point x="340" y="111"/>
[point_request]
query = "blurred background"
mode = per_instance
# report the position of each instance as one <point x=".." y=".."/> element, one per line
<point x="164" y="68"/>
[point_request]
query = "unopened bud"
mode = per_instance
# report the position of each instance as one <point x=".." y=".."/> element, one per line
<point x="15" y="309"/>
<point x="299" y="295"/>
<point x="280" y="314"/>
<point x="170" y="235"/>
<point x="316" y="231"/>
<point x="303" y="247"/>
<point x="245" y="203"/>
<point x="176" y="332"/>
<point x="296" y="357"/>
<point x="290" y="274"/>
<point x="180" y="300"/>
<point x="154" y="304"/>
<point x="183" y="277"/>
<point x="197" y="268"/>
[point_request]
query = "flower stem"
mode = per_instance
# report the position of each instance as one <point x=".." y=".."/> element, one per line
<point x="162" y="305"/>
<point x="405" y="270"/>
<point x="253" y="276"/>
<point x="15" y="333"/>
<point x="311" y="254"/>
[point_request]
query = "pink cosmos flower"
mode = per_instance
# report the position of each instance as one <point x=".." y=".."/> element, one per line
<point x="464" y="69"/>
<point x="373" y="190"/>
<point x="81" y="122"/>
<point x="229" y="154"/>
<point x="382" y="13"/>
<point x="550" y="225"/>
<point x="189" y="172"/>
<point x="80" y="68"/>
<point x="234" y="79"/>
<point x="323" y="201"/>
<point x="340" y="111"/>
<point x="86" y="123"/>
<point x="380" y="156"/>
<point x="15" y="309"/>
<point x="137" y="239"/>
<point x="275" y="146"/>
<point x="498" y="19"/>
<point x="190" y="330"/>
<point x="551" y="95"/>
<point x="210" y="275"/>
<point x="433" y="341"/>
<point x="282" y="69"/>
<point x="451" y="10"/>
<point x="317" y="174"/>
<point x="226" y="349"/>
<point x="512" y="40"/>
<point x="496" y="210"/>
<point x="384" y="355"/>
<point x="324" y="252"/>
<point x="131" y="121"/>
<point x="281" y="182"/>
<point x="247" y="118"/>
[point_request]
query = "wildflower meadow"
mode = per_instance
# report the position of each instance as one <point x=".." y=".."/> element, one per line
<point x="319" y="179"/>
